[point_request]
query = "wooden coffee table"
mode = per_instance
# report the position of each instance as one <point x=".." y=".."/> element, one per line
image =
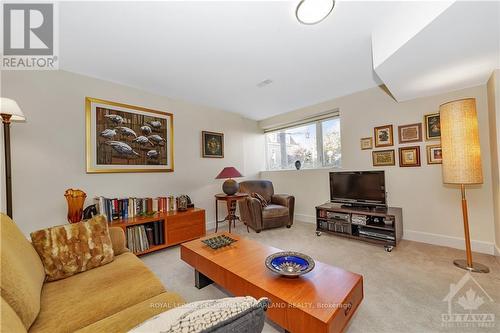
<point x="322" y="300"/>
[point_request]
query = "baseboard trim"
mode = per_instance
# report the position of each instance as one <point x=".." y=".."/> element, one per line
<point x="450" y="241"/>
<point x="305" y="218"/>
<point x="430" y="238"/>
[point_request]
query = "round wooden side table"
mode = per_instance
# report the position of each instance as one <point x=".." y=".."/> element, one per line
<point x="231" y="201"/>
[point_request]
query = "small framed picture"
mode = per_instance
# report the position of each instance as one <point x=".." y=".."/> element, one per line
<point x="409" y="156"/>
<point x="434" y="154"/>
<point x="366" y="143"/>
<point x="383" y="136"/>
<point x="432" y="126"/>
<point x="383" y="158"/>
<point x="410" y="133"/>
<point x="212" y="144"/>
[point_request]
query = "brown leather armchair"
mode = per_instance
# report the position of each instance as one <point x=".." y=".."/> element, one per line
<point x="278" y="213"/>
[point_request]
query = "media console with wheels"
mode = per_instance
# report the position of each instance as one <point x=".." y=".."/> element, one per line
<point x="382" y="226"/>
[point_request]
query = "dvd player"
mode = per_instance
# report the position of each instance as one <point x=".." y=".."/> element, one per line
<point x="376" y="234"/>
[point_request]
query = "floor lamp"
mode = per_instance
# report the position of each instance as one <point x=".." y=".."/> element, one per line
<point x="10" y="111"/>
<point x="462" y="160"/>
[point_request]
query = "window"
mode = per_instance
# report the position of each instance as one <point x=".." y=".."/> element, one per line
<point x="315" y="144"/>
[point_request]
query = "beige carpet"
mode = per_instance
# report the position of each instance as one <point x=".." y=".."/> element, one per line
<point x="404" y="289"/>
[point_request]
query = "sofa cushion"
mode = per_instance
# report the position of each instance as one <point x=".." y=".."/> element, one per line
<point x="73" y="248"/>
<point x="272" y="211"/>
<point x="85" y="298"/>
<point x="22" y="272"/>
<point x="201" y="315"/>
<point x="127" y="319"/>
<point x="10" y="321"/>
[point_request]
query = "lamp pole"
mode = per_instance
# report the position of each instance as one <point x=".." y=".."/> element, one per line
<point x="8" y="173"/>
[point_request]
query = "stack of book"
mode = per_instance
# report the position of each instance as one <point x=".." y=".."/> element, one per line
<point x="142" y="237"/>
<point x="115" y="208"/>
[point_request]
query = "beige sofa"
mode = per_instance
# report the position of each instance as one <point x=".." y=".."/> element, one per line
<point x="111" y="298"/>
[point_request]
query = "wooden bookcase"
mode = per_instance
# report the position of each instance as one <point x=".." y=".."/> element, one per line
<point x="178" y="226"/>
<point x="337" y="220"/>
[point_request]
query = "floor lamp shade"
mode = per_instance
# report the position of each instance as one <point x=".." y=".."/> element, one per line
<point x="460" y="142"/>
<point x="9" y="107"/>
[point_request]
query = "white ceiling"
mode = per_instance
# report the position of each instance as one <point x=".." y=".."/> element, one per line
<point x="456" y="49"/>
<point x="215" y="53"/>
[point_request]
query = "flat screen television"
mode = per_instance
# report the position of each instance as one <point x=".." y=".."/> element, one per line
<point x="358" y="188"/>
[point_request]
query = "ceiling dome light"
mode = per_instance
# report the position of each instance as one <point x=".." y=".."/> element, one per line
<point x="313" y="11"/>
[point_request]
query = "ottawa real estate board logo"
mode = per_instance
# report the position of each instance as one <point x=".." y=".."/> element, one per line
<point x="469" y="305"/>
<point x="29" y="36"/>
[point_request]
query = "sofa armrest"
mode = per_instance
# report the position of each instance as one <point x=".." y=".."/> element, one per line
<point x="117" y="236"/>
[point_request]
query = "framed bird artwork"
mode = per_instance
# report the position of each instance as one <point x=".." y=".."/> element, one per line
<point x="126" y="138"/>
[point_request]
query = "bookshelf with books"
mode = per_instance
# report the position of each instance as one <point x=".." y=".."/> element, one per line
<point x="151" y="224"/>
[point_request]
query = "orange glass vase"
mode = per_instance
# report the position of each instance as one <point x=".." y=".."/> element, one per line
<point x="75" y="199"/>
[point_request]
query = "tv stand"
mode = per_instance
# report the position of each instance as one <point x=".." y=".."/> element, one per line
<point x="381" y="226"/>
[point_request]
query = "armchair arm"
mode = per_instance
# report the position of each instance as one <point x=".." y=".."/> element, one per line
<point x="287" y="201"/>
<point x="255" y="210"/>
<point x="117" y="236"/>
<point x="283" y="200"/>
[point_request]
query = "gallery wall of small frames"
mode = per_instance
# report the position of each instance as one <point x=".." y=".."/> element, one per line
<point x="408" y="136"/>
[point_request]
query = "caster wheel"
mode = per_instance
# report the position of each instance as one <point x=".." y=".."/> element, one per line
<point x="288" y="226"/>
<point x="257" y="231"/>
<point x="318" y="233"/>
<point x="388" y="248"/>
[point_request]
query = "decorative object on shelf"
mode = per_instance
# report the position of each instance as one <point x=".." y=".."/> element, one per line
<point x="434" y="154"/>
<point x="219" y="241"/>
<point x="126" y="138"/>
<point x="75" y="199"/>
<point x="182" y="202"/>
<point x="462" y="161"/>
<point x="9" y="111"/>
<point x="289" y="263"/>
<point x="311" y="12"/>
<point x="298" y="165"/>
<point x="230" y="186"/>
<point x="383" y="136"/>
<point x="212" y="144"/>
<point x="366" y="143"/>
<point x="89" y="212"/>
<point x="384" y="157"/>
<point x="432" y="126"/>
<point x="410" y="133"/>
<point x="409" y="156"/>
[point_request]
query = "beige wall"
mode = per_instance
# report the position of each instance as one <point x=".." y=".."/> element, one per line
<point x="48" y="151"/>
<point x="432" y="211"/>
<point x="494" y="121"/>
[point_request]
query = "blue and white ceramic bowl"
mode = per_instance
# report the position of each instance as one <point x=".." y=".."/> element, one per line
<point x="289" y="263"/>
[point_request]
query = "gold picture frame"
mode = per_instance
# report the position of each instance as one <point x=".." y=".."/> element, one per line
<point x="409" y="156"/>
<point x="384" y="157"/>
<point x="366" y="143"/>
<point x="212" y="144"/>
<point x="410" y="133"/>
<point x="432" y="123"/>
<point x="383" y="136"/>
<point x="434" y="154"/>
<point x="124" y="138"/>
